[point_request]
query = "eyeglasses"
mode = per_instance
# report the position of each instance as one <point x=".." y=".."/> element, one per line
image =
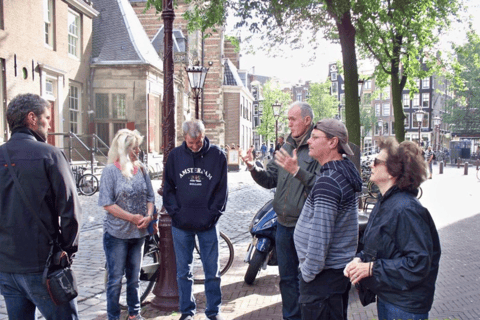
<point x="377" y="161"/>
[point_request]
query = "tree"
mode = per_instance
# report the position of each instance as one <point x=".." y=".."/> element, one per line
<point x="285" y="22"/>
<point x="400" y="35"/>
<point x="272" y="94"/>
<point x="463" y="110"/>
<point x="324" y="105"/>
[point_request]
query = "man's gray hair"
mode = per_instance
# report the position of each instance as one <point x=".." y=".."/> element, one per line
<point x="193" y="128"/>
<point x="21" y="106"/>
<point x="305" y="109"/>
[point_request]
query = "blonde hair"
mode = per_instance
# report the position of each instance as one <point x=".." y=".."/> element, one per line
<point x="123" y="142"/>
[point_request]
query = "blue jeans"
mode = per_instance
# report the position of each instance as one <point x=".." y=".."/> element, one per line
<point x="184" y="242"/>
<point x="288" y="269"/>
<point x="24" y="292"/>
<point x="124" y="256"/>
<point x="387" y="311"/>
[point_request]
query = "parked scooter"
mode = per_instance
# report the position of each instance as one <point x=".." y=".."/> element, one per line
<point x="261" y="252"/>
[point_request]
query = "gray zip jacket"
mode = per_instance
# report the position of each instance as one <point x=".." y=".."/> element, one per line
<point x="291" y="191"/>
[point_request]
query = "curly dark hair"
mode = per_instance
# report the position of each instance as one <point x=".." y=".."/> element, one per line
<point x="21" y="106"/>
<point x="405" y="162"/>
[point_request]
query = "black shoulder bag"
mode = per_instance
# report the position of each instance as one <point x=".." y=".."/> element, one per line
<point x="57" y="275"/>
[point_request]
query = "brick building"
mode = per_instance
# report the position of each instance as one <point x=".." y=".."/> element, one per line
<point x="45" y="49"/>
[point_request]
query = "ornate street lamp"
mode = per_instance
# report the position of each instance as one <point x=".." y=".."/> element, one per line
<point x="436" y="122"/>
<point x="276" y="114"/>
<point x="196" y="78"/>
<point x="419" y="114"/>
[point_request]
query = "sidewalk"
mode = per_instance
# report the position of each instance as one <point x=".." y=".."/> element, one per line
<point x="452" y="199"/>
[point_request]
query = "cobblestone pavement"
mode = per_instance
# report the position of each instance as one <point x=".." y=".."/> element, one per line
<point x="450" y="198"/>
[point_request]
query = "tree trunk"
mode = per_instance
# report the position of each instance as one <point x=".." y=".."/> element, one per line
<point x="346" y="32"/>
<point x="397" y="88"/>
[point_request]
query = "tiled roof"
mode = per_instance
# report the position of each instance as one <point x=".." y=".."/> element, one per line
<point x="178" y="40"/>
<point x="231" y="77"/>
<point x="119" y="38"/>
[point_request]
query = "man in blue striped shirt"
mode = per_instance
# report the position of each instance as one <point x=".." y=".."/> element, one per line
<point x="326" y="233"/>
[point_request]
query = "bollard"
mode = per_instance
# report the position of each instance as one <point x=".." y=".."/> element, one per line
<point x="465" y="171"/>
<point x="440" y="167"/>
<point x="166" y="288"/>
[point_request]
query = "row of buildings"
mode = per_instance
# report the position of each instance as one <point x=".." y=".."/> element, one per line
<point x="99" y="64"/>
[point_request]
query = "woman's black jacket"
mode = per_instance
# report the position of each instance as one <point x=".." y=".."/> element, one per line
<point x="402" y="241"/>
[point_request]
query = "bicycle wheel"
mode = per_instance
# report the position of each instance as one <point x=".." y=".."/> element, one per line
<point x="225" y="255"/>
<point x="148" y="273"/>
<point x="88" y="184"/>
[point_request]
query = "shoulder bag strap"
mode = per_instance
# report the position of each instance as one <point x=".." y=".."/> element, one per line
<point x="29" y="206"/>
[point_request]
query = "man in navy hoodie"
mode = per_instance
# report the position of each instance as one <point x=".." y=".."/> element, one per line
<point x="195" y="195"/>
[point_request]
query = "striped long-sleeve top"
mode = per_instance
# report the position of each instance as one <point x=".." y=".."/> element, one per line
<point x="326" y="234"/>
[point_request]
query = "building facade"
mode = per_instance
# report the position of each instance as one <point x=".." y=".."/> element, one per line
<point x="48" y="56"/>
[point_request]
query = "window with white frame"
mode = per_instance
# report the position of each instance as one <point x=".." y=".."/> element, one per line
<point x="74" y="32"/>
<point x="299" y="97"/>
<point x="416" y="100"/>
<point x="425" y="100"/>
<point x="406" y="100"/>
<point x="368" y="84"/>
<point x="119" y="106"/>
<point x="386" y="109"/>
<point x="417" y="83"/>
<point x="48" y="22"/>
<point x="426" y="83"/>
<point x="407" y="121"/>
<point x="334" y="76"/>
<point x="74" y="107"/>
<point x="101" y="106"/>
<point x="334" y="87"/>
<point x="386" y="130"/>
<point x="49" y="87"/>
<point x="377" y="109"/>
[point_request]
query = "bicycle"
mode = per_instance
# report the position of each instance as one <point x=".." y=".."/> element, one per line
<point x="87" y="184"/>
<point x="151" y="265"/>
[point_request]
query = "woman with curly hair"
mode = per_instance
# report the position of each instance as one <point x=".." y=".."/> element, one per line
<point x="400" y="259"/>
<point x="127" y="196"/>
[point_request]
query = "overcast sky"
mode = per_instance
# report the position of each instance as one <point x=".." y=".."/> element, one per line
<point x="295" y="67"/>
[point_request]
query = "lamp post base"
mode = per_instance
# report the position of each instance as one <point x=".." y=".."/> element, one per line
<point x="166" y="289"/>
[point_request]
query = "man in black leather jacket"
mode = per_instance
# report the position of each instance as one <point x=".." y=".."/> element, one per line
<point x="45" y="176"/>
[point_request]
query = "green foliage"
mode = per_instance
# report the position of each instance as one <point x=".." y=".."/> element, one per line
<point x="463" y="110"/>
<point x="271" y="94"/>
<point x="401" y="35"/>
<point x="367" y="114"/>
<point x="234" y="41"/>
<point x="324" y="105"/>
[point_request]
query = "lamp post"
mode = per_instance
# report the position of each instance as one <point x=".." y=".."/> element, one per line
<point x="276" y="114"/>
<point x="196" y="78"/>
<point x="419" y="114"/>
<point x="436" y="122"/>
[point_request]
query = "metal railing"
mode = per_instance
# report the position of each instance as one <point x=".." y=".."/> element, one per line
<point x="91" y="144"/>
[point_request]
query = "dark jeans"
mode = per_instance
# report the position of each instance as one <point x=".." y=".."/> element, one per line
<point x="24" y="292"/>
<point x="288" y="269"/>
<point x="387" y="311"/>
<point x="124" y="257"/>
<point x="184" y="243"/>
<point x="325" y="297"/>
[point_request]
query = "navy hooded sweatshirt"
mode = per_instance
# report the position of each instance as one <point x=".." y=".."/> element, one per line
<point x="195" y="188"/>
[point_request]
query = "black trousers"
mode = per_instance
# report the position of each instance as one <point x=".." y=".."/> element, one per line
<point x="325" y="297"/>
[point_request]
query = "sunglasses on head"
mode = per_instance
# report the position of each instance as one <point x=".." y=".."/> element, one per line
<point x="377" y="161"/>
